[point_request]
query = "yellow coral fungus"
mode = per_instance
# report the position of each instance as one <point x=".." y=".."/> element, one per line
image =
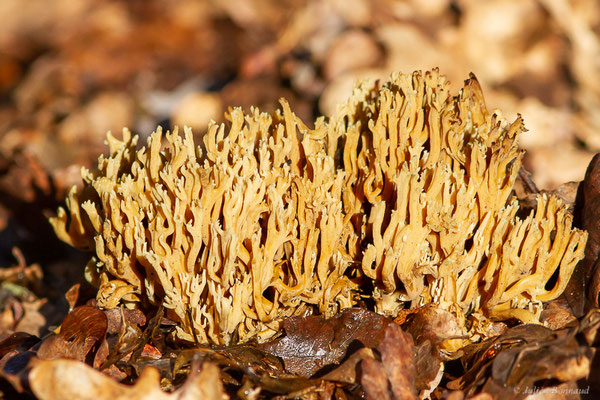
<point x="230" y="242"/>
<point x="405" y="186"/>
<point x="431" y="183"/>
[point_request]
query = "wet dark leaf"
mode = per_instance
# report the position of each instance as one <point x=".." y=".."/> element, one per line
<point x="251" y="356"/>
<point x="19" y="341"/>
<point x="259" y="370"/>
<point x="313" y="342"/>
<point x="185" y="357"/>
<point x="286" y="385"/>
<point x="163" y="365"/>
<point x="13" y="368"/>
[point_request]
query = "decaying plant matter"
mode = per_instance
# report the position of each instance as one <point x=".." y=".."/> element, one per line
<point x="405" y="186"/>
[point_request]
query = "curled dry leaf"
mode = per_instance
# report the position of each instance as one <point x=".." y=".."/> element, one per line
<point x="26" y="275"/>
<point x="430" y="369"/>
<point x="81" y="329"/>
<point x="313" y="342"/>
<point x="72" y="296"/>
<point x="68" y="379"/>
<point x="32" y="320"/>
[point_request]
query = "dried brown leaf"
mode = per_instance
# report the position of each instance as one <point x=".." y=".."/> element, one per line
<point x="589" y="326"/>
<point x="68" y="379"/>
<point x="374" y="381"/>
<point x="128" y="340"/>
<point x="32" y="321"/>
<point x="313" y="342"/>
<point x="72" y="296"/>
<point x="587" y="270"/>
<point x="394" y="376"/>
<point x="556" y="315"/>
<point x="101" y="355"/>
<point x="439" y="326"/>
<point x="524" y="357"/>
<point x="346" y="372"/>
<point x="81" y="330"/>
<point x="27" y="275"/>
<point x="429" y="368"/>
<point x="398" y="358"/>
<point x="115" y="317"/>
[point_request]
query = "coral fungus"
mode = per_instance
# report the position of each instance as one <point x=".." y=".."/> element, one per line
<point x="230" y="240"/>
<point x="405" y="187"/>
<point x="430" y="182"/>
